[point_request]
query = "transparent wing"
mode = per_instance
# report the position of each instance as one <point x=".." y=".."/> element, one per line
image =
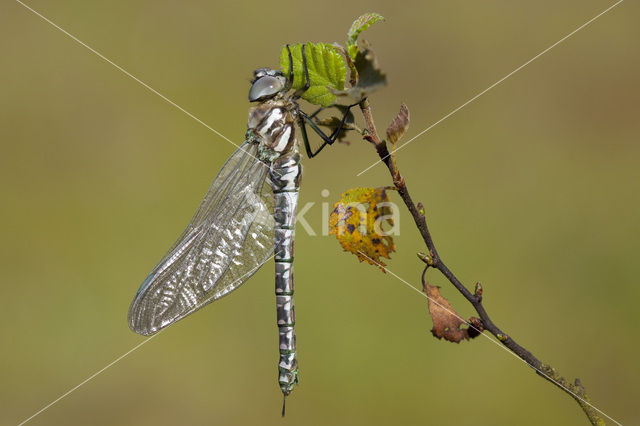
<point x="228" y="239"/>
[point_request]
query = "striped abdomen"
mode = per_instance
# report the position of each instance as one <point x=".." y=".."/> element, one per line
<point x="271" y="124"/>
<point x="285" y="181"/>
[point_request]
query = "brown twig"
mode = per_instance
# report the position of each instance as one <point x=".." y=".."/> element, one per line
<point x="576" y="390"/>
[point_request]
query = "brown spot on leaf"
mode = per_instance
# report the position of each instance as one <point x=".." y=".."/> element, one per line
<point x="354" y="222"/>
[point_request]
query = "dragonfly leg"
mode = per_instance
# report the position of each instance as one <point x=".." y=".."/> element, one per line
<point x="327" y="139"/>
<point x="290" y="77"/>
<point x="303" y="130"/>
<point x="307" y="83"/>
<point x="316" y="112"/>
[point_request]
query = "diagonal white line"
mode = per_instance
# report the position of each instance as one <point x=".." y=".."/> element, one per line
<point x="497" y="82"/>
<point x="455" y="314"/>
<point x="128" y="74"/>
<point x="88" y="379"/>
<point x="176" y="106"/>
<point x="230" y="141"/>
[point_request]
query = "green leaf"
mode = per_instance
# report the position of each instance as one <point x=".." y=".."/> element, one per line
<point x="327" y="71"/>
<point x="358" y="26"/>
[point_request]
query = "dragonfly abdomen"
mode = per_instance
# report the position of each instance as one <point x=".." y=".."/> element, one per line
<point x="285" y="180"/>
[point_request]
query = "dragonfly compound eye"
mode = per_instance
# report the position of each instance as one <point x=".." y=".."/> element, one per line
<point x="266" y="87"/>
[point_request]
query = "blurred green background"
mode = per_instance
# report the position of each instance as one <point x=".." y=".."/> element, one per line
<point x="533" y="190"/>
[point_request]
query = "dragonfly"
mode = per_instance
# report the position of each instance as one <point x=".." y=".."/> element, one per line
<point x="247" y="217"/>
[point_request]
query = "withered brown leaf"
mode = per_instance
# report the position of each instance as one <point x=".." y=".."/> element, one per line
<point x="446" y="321"/>
<point x="399" y="125"/>
<point x="368" y="75"/>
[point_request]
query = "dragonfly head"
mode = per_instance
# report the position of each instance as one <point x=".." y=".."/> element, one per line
<point x="266" y="84"/>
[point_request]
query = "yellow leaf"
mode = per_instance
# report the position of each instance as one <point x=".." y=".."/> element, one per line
<point x="358" y="221"/>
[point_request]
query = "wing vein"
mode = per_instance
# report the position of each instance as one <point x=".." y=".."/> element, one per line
<point x="229" y="236"/>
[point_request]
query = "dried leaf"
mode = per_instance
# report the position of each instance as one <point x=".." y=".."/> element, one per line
<point x="369" y="76"/>
<point x="396" y="130"/>
<point x="446" y="321"/>
<point x="399" y="125"/>
<point x="357" y="221"/>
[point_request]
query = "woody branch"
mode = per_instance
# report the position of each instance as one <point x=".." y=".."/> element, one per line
<point x="433" y="260"/>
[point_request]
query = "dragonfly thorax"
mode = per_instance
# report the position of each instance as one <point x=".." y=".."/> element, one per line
<point x="271" y="126"/>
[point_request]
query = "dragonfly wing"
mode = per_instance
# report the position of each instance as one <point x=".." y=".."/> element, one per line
<point x="228" y="239"/>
